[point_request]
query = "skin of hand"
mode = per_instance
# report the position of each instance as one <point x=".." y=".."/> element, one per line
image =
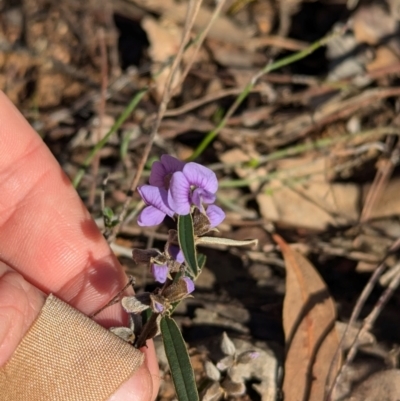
<point x="50" y="244"/>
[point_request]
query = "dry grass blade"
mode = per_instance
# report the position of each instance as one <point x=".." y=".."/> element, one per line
<point x="309" y="324"/>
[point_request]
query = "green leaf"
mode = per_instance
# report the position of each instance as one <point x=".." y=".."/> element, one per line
<point x="186" y="243"/>
<point x="179" y="362"/>
<point x="108" y="212"/>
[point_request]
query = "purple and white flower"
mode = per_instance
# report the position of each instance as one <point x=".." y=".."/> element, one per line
<point x="175" y="187"/>
<point x="194" y="185"/>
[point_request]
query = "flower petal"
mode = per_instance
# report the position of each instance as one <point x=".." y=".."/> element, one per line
<point x="201" y="176"/>
<point x="150" y="216"/>
<point x="215" y="214"/>
<point x="189" y="284"/>
<point x="172" y="164"/>
<point x="200" y="196"/>
<point x="161" y="169"/>
<point x="157" y="197"/>
<point x="157" y="174"/>
<point x="176" y="253"/>
<point x="160" y="273"/>
<point x="178" y="194"/>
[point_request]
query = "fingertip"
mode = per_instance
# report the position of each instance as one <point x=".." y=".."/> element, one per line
<point x="145" y="382"/>
<point x="152" y="365"/>
<point x="139" y="387"/>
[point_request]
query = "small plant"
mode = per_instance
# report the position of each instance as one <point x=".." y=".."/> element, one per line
<point x="186" y="192"/>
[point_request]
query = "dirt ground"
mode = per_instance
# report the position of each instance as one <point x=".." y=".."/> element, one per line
<point x="310" y="154"/>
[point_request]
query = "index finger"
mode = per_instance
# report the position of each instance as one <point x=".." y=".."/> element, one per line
<point x="46" y="233"/>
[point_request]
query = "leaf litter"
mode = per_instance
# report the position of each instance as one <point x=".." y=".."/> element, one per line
<point x="311" y="154"/>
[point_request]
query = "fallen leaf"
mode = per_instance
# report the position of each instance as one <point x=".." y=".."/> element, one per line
<point x="309" y="324"/>
<point x="373" y="23"/>
<point x="165" y="38"/>
<point x="388" y="204"/>
<point x="313" y="206"/>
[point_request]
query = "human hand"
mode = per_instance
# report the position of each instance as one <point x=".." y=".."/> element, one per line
<point x="50" y="244"/>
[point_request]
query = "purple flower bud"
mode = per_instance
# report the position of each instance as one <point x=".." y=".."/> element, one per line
<point x="160" y="272"/>
<point x="161" y="171"/>
<point x="176" y="253"/>
<point x="159" y="307"/>
<point x="194" y="185"/>
<point x="157" y="209"/>
<point x="189" y="284"/>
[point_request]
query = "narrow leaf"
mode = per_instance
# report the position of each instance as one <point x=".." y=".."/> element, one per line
<point x="186" y="242"/>
<point x="225" y="241"/>
<point x="179" y="362"/>
<point x="309" y="324"/>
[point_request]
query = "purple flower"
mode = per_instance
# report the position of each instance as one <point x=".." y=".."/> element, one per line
<point x="195" y="184"/>
<point x="161" y="171"/>
<point x="160" y="272"/>
<point x="215" y="215"/>
<point x="157" y="205"/>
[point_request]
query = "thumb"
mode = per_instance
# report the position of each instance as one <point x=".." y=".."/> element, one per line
<point x="20" y="305"/>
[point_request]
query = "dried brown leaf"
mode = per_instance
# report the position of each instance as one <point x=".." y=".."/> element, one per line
<point x="309" y="324"/>
<point x="165" y="38"/>
<point x="313" y="205"/>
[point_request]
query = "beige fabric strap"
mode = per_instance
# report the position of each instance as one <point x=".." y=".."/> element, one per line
<point x="65" y="356"/>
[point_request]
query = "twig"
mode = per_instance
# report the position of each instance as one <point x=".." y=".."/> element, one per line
<point x="206" y="99"/>
<point x="356" y="312"/>
<point x="103" y="191"/>
<point x="102" y="106"/>
<point x="371" y="318"/>
<point x="201" y="38"/>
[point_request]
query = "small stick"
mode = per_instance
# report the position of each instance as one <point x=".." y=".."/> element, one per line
<point x="356" y="312"/>
<point x="367" y="326"/>
<point x="101" y="112"/>
<point x="103" y="191"/>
